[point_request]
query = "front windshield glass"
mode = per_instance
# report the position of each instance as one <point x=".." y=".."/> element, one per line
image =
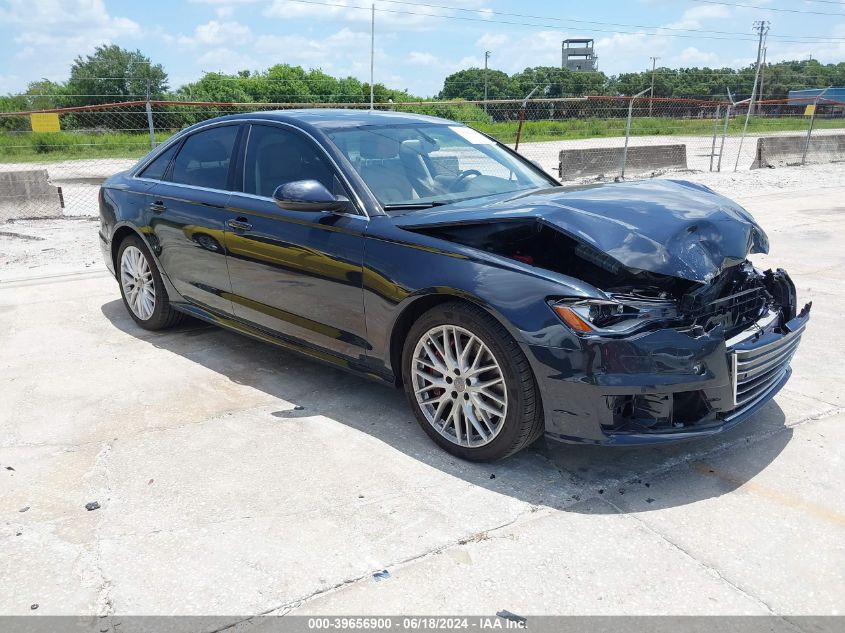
<point x="418" y="166"/>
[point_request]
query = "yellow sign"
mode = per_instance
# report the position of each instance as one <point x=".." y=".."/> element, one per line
<point x="45" y="122"/>
<point x="810" y="110"/>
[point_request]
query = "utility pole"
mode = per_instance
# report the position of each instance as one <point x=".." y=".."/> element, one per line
<point x="762" y="75"/>
<point x="486" y="57"/>
<point x="762" y="28"/>
<point x="651" y="98"/>
<point x="372" y="50"/>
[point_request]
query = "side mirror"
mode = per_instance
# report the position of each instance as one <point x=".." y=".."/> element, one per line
<point x="308" y="195"/>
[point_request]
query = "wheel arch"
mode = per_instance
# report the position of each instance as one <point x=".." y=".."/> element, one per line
<point x="121" y="233"/>
<point x="126" y="229"/>
<point x="421" y="304"/>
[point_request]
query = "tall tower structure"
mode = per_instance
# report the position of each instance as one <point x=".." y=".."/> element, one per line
<point x="578" y="54"/>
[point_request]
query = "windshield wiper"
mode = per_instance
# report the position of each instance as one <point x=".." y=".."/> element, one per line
<point x="413" y="205"/>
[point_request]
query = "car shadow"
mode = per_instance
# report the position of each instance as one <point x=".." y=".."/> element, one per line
<point x="550" y="474"/>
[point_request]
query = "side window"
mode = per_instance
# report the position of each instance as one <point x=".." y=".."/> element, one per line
<point x="204" y="158"/>
<point x="275" y="156"/>
<point x="155" y="170"/>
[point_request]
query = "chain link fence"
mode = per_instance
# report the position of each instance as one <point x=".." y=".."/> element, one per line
<point x="53" y="161"/>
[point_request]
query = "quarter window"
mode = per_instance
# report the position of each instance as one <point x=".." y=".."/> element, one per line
<point x="275" y="156"/>
<point x="204" y="158"/>
<point x="155" y="170"/>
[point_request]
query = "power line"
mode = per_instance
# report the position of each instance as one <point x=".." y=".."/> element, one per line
<point x="547" y="17"/>
<point x="552" y="26"/>
<point x="762" y="8"/>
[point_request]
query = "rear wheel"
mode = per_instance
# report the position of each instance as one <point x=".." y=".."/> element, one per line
<point x="142" y="288"/>
<point x="470" y="384"/>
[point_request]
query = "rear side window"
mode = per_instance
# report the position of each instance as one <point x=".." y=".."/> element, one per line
<point x="204" y="158"/>
<point x="155" y="170"/>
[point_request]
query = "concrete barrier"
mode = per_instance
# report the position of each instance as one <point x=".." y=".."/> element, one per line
<point x="598" y="161"/>
<point x="781" y="151"/>
<point x="28" y="194"/>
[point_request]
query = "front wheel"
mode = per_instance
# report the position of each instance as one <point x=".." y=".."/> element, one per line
<point x="142" y="288"/>
<point x="470" y="384"/>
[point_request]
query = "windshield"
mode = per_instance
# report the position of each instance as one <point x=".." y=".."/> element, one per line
<point x="419" y="166"/>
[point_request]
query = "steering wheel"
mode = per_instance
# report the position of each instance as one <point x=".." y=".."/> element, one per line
<point x="462" y="176"/>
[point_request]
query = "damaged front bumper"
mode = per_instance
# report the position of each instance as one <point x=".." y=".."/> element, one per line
<point x="665" y="385"/>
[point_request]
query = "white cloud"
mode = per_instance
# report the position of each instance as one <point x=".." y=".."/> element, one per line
<point x="63" y="29"/>
<point x="214" y="33"/>
<point x="225" y="60"/>
<point x="630" y="52"/>
<point x="421" y="59"/>
<point x="468" y="62"/>
<point x="347" y="11"/>
<point x="694" y="17"/>
<point x="491" y="40"/>
<point x="691" y="56"/>
<point x="345" y="52"/>
<point x="394" y="16"/>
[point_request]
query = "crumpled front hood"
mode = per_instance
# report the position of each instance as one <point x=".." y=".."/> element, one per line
<point x="671" y="227"/>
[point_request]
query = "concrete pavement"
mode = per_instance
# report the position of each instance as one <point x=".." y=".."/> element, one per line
<point x="219" y="496"/>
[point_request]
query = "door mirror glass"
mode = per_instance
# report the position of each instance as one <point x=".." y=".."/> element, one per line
<point x="308" y="195"/>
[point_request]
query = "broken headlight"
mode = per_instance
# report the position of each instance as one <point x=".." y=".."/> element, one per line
<point x="589" y="315"/>
<point x="621" y="313"/>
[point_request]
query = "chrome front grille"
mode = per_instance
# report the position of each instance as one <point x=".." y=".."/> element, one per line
<point x="757" y="370"/>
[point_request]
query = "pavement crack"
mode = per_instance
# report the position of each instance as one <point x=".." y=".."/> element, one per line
<point x="105" y="603"/>
<point x="707" y="567"/>
<point x="477" y="537"/>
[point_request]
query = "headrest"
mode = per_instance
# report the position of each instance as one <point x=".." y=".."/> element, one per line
<point x="375" y="146"/>
<point x="419" y="146"/>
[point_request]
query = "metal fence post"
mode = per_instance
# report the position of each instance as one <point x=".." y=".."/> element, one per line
<point x="628" y="132"/>
<point x="724" y="133"/>
<point x="716" y="118"/>
<point x="150" y="124"/>
<point x="521" y="116"/>
<point x="810" y="124"/>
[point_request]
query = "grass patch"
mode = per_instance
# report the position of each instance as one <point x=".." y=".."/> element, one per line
<point x="27" y="147"/>
<point x="568" y="129"/>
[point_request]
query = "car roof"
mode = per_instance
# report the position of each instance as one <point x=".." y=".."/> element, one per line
<point x="334" y="118"/>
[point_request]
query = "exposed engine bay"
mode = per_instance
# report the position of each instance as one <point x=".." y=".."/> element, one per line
<point x="637" y="299"/>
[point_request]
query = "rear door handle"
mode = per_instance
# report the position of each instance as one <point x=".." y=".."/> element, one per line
<point x="239" y="224"/>
<point x="157" y="207"/>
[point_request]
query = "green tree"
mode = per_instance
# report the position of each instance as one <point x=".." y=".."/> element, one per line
<point x="468" y="84"/>
<point x="114" y="74"/>
<point x="553" y="82"/>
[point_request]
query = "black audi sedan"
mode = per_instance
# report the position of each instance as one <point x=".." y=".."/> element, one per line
<point x="422" y="253"/>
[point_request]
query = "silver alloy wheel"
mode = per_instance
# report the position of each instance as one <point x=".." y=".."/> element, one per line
<point x="459" y="386"/>
<point x="137" y="280"/>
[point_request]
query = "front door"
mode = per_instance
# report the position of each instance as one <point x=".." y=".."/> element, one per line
<point x="297" y="273"/>
<point x="188" y="215"/>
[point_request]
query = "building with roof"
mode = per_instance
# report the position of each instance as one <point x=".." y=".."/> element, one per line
<point x="578" y="54"/>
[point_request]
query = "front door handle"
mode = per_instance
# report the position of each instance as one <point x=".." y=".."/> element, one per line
<point x="239" y="224"/>
<point x="157" y="207"/>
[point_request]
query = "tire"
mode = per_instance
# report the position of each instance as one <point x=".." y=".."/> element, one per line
<point x="158" y="316"/>
<point x="508" y="380"/>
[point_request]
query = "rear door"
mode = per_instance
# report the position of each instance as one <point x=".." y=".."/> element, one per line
<point x="187" y="216"/>
<point x="297" y="273"/>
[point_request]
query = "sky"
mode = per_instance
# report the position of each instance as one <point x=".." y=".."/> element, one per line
<point x="417" y="42"/>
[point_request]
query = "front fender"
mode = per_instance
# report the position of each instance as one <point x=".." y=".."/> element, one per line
<point x="402" y="267"/>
